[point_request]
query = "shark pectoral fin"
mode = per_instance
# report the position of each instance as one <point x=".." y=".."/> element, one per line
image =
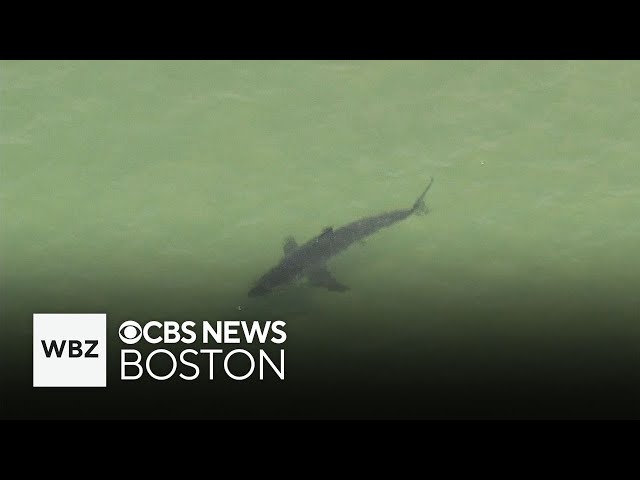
<point x="290" y="245"/>
<point x="321" y="277"/>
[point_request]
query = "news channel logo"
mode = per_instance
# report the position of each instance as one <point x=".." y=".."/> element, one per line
<point x="69" y="350"/>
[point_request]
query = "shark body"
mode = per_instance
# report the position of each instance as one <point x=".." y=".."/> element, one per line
<point x="310" y="258"/>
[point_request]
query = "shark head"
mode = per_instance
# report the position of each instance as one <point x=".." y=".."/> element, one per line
<point x="278" y="276"/>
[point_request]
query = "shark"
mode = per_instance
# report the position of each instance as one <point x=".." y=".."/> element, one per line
<point x="310" y="259"/>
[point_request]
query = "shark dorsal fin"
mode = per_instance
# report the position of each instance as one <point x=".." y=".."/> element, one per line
<point x="326" y="231"/>
<point x="290" y="245"/>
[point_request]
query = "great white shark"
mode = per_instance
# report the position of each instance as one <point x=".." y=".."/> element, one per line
<point x="309" y="260"/>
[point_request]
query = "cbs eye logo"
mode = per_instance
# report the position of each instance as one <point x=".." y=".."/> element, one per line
<point x="130" y="332"/>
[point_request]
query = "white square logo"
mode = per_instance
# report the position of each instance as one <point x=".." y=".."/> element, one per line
<point x="69" y="350"/>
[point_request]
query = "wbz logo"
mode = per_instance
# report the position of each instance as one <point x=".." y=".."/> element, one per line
<point x="75" y="348"/>
<point x="69" y="350"/>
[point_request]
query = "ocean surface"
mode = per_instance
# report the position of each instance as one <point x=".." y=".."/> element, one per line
<point x="161" y="190"/>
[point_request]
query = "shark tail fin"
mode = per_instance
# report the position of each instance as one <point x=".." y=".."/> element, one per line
<point x="419" y="206"/>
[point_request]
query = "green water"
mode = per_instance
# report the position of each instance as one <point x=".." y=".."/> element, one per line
<point x="162" y="190"/>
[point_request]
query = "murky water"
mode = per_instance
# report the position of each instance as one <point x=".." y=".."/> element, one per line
<point x="164" y="189"/>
